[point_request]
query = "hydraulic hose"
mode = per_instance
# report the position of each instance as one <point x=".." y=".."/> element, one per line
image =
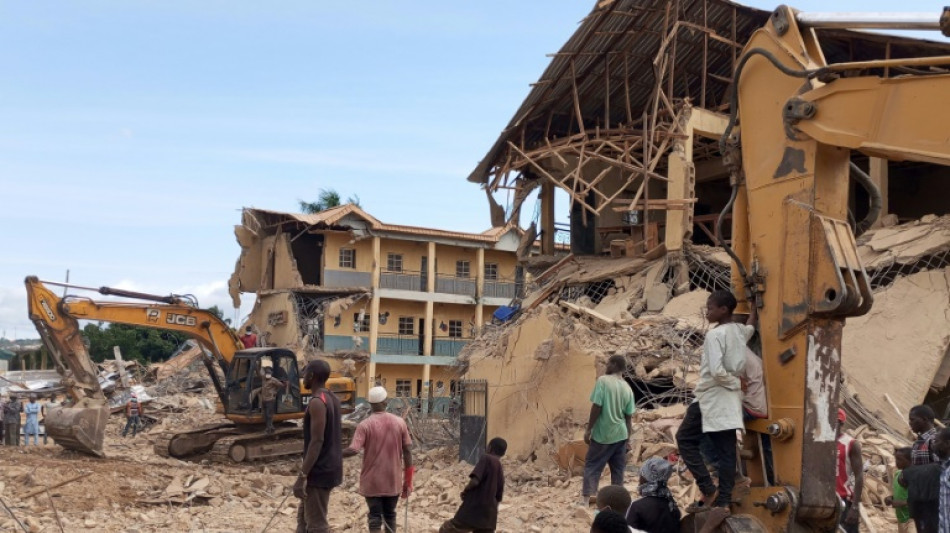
<point x="876" y="200"/>
<point x="734" y="92"/>
<point x="725" y="210"/>
<point x="733" y="118"/>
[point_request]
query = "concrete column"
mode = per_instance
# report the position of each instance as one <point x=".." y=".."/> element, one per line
<point x="427" y="351"/>
<point x="430" y="278"/>
<point x="879" y="175"/>
<point x="374" y="314"/>
<point x="680" y="187"/>
<point x="547" y="218"/>
<point x="480" y="284"/>
<point x="426" y="376"/>
<point x="428" y="341"/>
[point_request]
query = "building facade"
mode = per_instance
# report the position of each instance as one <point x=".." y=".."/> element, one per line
<point x="388" y="304"/>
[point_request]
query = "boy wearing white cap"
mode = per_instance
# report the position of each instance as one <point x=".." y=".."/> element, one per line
<point x="384" y="440"/>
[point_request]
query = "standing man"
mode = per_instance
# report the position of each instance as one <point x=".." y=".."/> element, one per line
<point x="717" y="410"/>
<point x="322" y="468"/>
<point x="921" y="419"/>
<point x="3" y="408"/>
<point x="133" y="413"/>
<point x="269" y="389"/>
<point x="387" y="462"/>
<point x="249" y="339"/>
<point x="612" y="406"/>
<point x="942" y="444"/>
<point x="11" y="421"/>
<point x="32" y="426"/>
<point x="849" y="476"/>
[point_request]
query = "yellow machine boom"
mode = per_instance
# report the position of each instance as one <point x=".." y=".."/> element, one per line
<point x="234" y="372"/>
<point x="795" y="121"/>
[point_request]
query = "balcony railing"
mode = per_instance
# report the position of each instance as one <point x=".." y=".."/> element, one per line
<point x="404" y="281"/>
<point x="454" y="285"/>
<point x="346" y="278"/>
<point x="500" y="288"/>
<point x="450" y="346"/>
<point x="332" y="343"/>
<point x="393" y="344"/>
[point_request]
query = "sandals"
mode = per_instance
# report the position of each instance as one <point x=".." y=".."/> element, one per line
<point x="715" y="517"/>
<point x="703" y="504"/>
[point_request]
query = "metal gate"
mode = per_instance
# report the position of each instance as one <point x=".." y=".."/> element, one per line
<point x="473" y="419"/>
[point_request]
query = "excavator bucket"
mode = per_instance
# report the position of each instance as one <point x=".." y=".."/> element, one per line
<point x="78" y="428"/>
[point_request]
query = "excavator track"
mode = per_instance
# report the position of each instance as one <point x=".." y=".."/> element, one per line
<point x="196" y="441"/>
<point x="286" y="440"/>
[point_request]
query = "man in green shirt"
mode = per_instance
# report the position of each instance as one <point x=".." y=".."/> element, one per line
<point x="608" y="429"/>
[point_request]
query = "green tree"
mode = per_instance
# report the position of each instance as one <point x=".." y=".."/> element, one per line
<point x="326" y="199"/>
<point x="146" y="345"/>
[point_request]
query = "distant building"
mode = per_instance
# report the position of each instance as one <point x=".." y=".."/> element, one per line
<point x="400" y="302"/>
<point x="5" y="357"/>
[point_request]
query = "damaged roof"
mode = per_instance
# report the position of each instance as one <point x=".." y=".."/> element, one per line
<point x="342" y="218"/>
<point x="611" y="57"/>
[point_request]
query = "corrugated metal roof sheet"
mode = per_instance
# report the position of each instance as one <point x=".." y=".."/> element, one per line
<point x="333" y="217"/>
<point x="616" y="45"/>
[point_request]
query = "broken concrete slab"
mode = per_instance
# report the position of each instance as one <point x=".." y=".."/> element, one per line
<point x="906" y="332"/>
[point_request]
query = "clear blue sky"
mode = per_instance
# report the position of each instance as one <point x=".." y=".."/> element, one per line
<point x="131" y="133"/>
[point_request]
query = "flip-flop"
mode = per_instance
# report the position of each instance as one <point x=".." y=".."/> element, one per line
<point x="703" y="504"/>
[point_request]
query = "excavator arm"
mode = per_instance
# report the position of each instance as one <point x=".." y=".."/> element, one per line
<point x="82" y="425"/>
<point x="795" y="121"/>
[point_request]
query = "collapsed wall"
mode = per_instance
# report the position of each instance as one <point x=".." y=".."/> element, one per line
<point x="542" y="366"/>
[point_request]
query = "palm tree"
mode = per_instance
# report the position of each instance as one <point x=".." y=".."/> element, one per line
<point x="326" y="199"/>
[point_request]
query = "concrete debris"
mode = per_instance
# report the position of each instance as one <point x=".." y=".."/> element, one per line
<point x="189" y="352"/>
<point x="884" y="247"/>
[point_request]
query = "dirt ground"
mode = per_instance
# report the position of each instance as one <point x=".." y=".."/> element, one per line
<point x="132" y="489"/>
<point x="129" y="491"/>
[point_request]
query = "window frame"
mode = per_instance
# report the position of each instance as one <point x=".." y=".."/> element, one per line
<point x="360" y="327"/>
<point x="404" y="321"/>
<point x="456" y="326"/>
<point x="459" y="264"/>
<point x="403" y="388"/>
<point x="491" y="267"/>
<point x="343" y="259"/>
<point x="394" y="262"/>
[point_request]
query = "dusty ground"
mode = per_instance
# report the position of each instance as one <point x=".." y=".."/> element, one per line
<point x="127" y="491"/>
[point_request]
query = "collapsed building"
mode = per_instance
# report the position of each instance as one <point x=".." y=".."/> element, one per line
<point x="626" y="120"/>
<point x="385" y="303"/>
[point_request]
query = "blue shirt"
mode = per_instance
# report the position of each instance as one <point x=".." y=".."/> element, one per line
<point x="31" y="410"/>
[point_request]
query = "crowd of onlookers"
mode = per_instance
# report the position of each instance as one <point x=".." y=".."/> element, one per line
<point x="12" y="411"/>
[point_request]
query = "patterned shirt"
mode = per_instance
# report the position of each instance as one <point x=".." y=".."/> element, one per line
<point x="923" y="452"/>
<point x="945" y="498"/>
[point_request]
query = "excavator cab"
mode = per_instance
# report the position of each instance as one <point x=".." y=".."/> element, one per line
<point x="245" y="376"/>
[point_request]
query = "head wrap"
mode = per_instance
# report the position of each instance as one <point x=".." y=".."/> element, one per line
<point x="656" y="472"/>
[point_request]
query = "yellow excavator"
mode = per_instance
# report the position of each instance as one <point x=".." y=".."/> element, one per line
<point x="234" y="371"/>
<point x="795" y="121"/>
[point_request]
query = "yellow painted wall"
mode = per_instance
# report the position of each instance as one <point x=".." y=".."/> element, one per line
<point x="446" y="312"/>
<point x="506" y="261"/>
<point x="448" y="255"/>
<point x="445" y="374"/>
<point x="390" y="373"/>
<point x="286" y="275"/>
<point x="346" y="321"/>
<point x="398" y="308"/>
<point x="338" y="239"/>
<point x="286" y="335"/>
<point x="412" y="252"/>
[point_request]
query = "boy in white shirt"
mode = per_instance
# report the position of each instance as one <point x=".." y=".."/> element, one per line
<point x="717" y="410"/>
